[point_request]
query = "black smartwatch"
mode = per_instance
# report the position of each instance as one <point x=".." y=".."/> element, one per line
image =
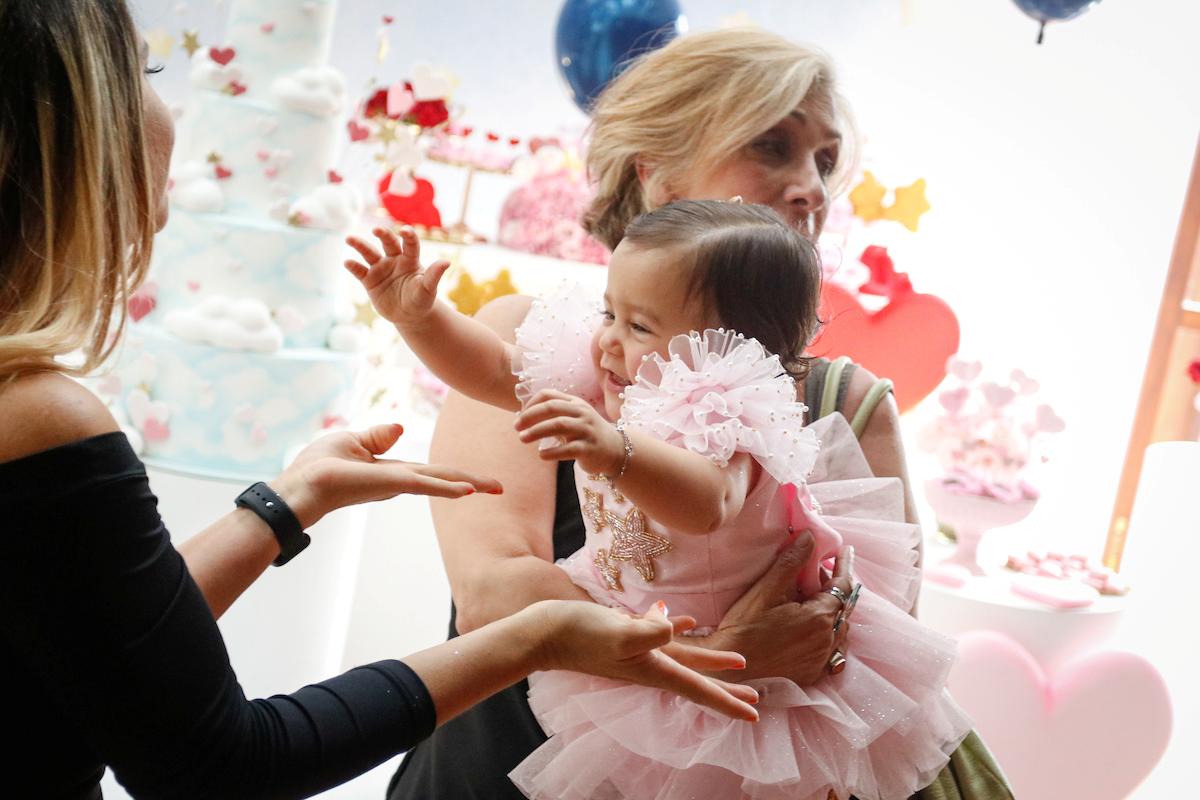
<point x="262" y="500"/>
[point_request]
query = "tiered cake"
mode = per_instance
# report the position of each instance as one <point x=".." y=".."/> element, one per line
<point x="237" y="356"/>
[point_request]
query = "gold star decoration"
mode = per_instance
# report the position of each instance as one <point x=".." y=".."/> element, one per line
<point x="365" y="314"/>
<point x="387" y="131"/>
<point x="910" y="204"/>
<point x="160" y="42"/>
<point x="191" y="42"/>
<point x="469" y="296"/>
<point x="634" y="543"/>
<point x="214" y="157"/>
<point x="867" y="198"/>
<point x="610" y="571"/>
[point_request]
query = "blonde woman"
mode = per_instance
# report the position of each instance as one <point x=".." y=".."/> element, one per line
<point x="108" y="638"/>
<point x="710" y="116"/>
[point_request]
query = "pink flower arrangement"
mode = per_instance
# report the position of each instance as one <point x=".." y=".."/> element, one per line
<point x="984" y="438"/>
<point x="543" y="214"/>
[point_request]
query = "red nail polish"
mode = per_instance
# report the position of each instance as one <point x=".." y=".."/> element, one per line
<point x="495" y="491"/>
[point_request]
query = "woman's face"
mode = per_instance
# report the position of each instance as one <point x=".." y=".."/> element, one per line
<point x="785" y="167"/>
<point x="160" y="138"/>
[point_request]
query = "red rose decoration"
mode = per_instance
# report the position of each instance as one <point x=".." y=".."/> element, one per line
<point x="377" y="105"/>
<point x="1194" y="370"/>
<point x="428" y="113"/>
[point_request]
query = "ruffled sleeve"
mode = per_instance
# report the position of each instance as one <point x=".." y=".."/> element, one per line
<point x="719" y="393"/>
<point x="554" y="345"/>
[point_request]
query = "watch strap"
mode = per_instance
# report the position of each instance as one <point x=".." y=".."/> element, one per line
<point x="263" y="501"/>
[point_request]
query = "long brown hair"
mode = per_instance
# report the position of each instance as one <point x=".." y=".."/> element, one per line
<point x="752" y="271"/>
<point x="77" y="215"/>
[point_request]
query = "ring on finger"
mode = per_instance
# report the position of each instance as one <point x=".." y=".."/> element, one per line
<point x="842" y="597"/>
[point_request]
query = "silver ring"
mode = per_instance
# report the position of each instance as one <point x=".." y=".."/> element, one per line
<point x="839" y="594"/>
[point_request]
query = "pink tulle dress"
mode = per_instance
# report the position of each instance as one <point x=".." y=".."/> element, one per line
<point x="883" y="728"/>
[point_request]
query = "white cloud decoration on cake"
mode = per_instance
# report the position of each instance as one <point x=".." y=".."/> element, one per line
<point x="242" y="324"/>
<point x="208" y="74"/>
<point x="349" y="337"/>
<point x="333" y="207"/>
<point x="316" y="91"/>
<point x="195" y="188"/>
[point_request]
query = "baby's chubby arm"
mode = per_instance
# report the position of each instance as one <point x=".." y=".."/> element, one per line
<point x="463" y="352"/>
<point x="675" y="487"/>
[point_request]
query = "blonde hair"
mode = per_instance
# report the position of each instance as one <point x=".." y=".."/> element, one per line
<point x="697" y="101"/>
<point x="77" y="214"/>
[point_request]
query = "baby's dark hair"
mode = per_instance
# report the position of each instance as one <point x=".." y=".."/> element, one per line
<point x="757" y="275"/>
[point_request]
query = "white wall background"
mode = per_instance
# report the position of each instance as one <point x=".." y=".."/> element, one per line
<point x="1056" y="175"/>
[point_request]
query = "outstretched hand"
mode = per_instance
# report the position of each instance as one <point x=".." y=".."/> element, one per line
<point x="402" y="292"/>
<point x="343" y="469"/>
<point x="589" y="638"/>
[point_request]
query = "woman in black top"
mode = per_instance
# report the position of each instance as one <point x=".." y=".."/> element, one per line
<point x="109" y="647"/>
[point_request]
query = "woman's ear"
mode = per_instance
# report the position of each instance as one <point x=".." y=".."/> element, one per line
<point x="656" y="192"/>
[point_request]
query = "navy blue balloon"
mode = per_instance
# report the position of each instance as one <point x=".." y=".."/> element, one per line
<point x="596" y="39"/>
<point x="1053" y="10"/>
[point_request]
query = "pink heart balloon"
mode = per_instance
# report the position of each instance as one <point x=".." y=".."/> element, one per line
<point x="1094" y="729"/>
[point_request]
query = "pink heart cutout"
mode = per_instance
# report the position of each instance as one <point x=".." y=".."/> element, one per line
<point x="996" y="395"/>
<point x="964" y="370"/>
<point x="357" y="132"/>
<point x="1048" y="421"/>
<point x="1093" y="730"/>
<point x="156" y="431"/>
<point x="954" y="399"/>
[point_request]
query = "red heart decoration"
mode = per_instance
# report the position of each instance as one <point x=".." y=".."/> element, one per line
<point x="222" y="55"/>
<point x="357" y="132"/>
<point x="223" y="172"/>
<point x="909" y="340"/>
<point x="388" y="19"/>
<point x="491" y="137"/>
<point x="268" y="27"/>
<point x="514" y="141"/>
<point x="236" y="88"/>
<point x="415" y="209"/>
<point x="193" y="286"/>
<point x="467" y="131"/>
<point x="334" y="177"/>
<point x="143" y="301"/>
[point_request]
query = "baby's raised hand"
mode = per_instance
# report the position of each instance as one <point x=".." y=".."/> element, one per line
<point x="582" y="433"/>
<point x="400" y="290"/>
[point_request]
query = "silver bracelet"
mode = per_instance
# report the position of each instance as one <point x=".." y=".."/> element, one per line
<point x="612" y="479"/>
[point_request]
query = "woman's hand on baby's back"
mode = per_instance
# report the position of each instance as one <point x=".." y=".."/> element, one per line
<point x="780" y="635"/>
<point x="400" y="290"/>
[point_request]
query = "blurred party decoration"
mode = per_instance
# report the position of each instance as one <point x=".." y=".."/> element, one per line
<point x="867" y="198"/>
<point x="595" y="39"/>
<point x="1093" y="728"/>
<point x="1053" y="11"/>
<point x="908" y="340"/>
<point x="908" y="204"/>
<point x="542" y="214"/>
<point x="469" y="296"/>
<point x="985" y="436"/>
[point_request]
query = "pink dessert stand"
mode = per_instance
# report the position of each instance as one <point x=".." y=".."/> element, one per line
<point x="971" y="516"/>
